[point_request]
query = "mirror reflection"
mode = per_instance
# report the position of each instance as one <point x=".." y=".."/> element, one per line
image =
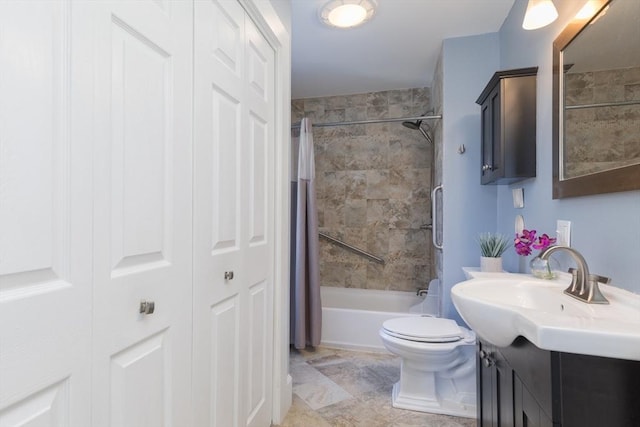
<point x="601" y="88"/>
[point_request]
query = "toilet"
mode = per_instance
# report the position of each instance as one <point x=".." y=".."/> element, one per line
<point x="438" y="367"/>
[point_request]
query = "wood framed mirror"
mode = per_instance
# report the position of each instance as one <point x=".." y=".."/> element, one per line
<point x="596" y="101"/>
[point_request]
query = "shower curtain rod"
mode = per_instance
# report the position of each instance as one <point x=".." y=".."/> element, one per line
<point x="364" y="122"/>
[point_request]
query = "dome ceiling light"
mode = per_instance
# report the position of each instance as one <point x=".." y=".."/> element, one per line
<point x="347" y="13"/>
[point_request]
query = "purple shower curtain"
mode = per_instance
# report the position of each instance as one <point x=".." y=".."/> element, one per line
<point x="306" y="310"/>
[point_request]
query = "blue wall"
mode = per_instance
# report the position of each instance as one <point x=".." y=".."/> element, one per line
<point x="605" y="228"/>
<point x="469" y="208"/>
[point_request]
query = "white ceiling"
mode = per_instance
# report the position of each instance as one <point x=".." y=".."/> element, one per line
<point x="397" y="49"/>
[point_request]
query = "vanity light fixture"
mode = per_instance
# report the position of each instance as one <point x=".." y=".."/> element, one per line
<point x="347" y="13"/>
<point x="590" y="9"/>
<point x="539" y="13"/>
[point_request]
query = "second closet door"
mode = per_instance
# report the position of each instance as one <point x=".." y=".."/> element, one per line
<point x="233" y="217"/>
<point x="142" y="213"/>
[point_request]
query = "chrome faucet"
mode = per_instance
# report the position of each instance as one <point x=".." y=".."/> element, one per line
<point x="584" y="286"/>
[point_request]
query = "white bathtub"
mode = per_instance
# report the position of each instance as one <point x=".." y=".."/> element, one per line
<point x="351" y="318"/>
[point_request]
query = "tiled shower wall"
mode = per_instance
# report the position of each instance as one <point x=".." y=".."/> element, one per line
<point x="373" y="189"/>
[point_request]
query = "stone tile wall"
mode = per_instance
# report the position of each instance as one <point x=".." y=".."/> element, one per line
<point x="602" y="138"/>
<point x="373" y="188"/>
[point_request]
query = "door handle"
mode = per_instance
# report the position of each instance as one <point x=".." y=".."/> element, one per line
<point x="147" y="307"/>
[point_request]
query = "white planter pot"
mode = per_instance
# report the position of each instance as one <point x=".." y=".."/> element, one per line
<point x="490" y="265"/>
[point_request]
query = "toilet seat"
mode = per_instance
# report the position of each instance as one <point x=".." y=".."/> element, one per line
<point x="424" y="329"/>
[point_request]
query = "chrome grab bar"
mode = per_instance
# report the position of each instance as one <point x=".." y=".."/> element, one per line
<point x="434" y="214"/>
<point x="352" y="248"/>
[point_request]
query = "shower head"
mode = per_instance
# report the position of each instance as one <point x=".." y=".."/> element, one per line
<point x="412" y="125"/>
<point x="417" y="125"/>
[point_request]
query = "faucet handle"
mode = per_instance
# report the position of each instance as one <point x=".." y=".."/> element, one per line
<point x="600" y="279"/>
<point x="573" y="287"/>
<point x="595" y="296"/>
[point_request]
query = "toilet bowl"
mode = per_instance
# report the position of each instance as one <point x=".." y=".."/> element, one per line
<point x="437" y="372"/>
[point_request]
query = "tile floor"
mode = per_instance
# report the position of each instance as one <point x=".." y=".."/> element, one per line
<point x="342" y="388"/>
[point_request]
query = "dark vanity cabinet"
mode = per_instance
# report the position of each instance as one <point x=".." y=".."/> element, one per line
<point x="508" y="117"/>
<point x="524" y="386"/>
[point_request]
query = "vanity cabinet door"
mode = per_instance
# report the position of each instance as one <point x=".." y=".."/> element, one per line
<point x="505" y="384"/>
<point x="495" y="388"/>
<point x="486" y="387"/>
<point x="528" y="412"/>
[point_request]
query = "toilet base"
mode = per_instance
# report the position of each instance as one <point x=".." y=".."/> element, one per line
<point x="431" y="405"/>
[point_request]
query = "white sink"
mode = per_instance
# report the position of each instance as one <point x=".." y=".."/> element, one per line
<point x="502" y="307"/>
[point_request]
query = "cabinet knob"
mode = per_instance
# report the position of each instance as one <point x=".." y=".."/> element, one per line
<point x="228" y="275"/>
<point x="147" y="307"/>
<point x="487" y="361"/>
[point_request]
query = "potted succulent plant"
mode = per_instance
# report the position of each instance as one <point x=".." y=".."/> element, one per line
<point x="492" y="246"/>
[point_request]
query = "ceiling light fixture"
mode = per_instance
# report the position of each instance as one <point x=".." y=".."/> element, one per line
<point x="347" y="13"/>
<point x="539" y="14"/>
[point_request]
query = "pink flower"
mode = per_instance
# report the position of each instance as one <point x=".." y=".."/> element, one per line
<point x="525" y="241"/>
<point x="544" y="242"/>
<point x="522" y="248"/>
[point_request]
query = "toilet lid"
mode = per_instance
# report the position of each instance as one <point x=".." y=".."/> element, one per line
<point x="424" y="329"/>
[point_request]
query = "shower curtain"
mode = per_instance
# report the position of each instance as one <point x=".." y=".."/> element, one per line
<point x="306" y="310"/>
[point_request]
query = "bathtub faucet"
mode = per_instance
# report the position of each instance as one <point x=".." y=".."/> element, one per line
<point x="420" y="292"/>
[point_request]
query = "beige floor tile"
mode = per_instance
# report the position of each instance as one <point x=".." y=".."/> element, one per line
<point x="341" y="388"/>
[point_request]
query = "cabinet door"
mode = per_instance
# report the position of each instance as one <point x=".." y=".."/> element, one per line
<point x="495" y="388"/>
<point x="491" y="137"/>
<point x="505" y="388"/>
<point x="527" y="410"/>
<point x="45" y="214"/>
<point x="487" y="391"/>
<point x="233" y="218"/>
<point x="142" y="213"/>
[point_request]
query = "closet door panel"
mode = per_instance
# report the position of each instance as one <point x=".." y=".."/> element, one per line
<point x="218" y="307"/>
<point x="224" y="363"/>
<point x="233" y="204"/>
<point x="142" y="214"/>
<point x="258" y="217"/>
<point x="45" y="235"/>
<point x="134" y="373"/>
<point x="225" y="166"/>
<point x="140" y="153"/>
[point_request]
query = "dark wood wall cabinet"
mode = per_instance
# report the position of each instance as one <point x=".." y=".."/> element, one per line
<point x="508" y="115"/>
<point x="524" y="386"/>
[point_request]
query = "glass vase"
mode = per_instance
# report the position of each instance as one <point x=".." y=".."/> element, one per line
<point x="543" y="268"/>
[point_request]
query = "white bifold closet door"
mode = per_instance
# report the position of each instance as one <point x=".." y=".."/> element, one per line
<point x="142" y="213"/>
<point x="45" y="214"/>
<point x="233" y="218"/>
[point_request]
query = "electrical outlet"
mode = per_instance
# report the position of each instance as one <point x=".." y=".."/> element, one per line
<point x="563" y="233"/>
